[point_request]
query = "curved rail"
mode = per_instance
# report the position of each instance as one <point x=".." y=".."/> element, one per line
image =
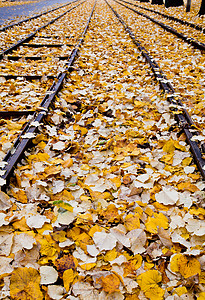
<point x="184" y="120"/>
<point x="196" y="44"/>
<point x="21" y="143"/>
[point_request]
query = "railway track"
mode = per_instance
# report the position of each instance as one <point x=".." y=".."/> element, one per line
<point x="184" y="22"/>
<point x="184" y="120"/>
<point x="182" y="64"/>
<point x="59" y="69"/>
<point x="3" y="28"/>
<point x="32" y="35"/>
<point x="109" y="169"/>
<point x="188" y="39"/>
<point x="11" y="35"/>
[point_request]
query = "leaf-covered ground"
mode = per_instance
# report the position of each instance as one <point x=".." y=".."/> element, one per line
<point x="109" y="203"/>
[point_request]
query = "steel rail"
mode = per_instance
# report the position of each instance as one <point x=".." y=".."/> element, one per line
<point x="33" y="17"/>
<point x="196" y="44"/>
<point x="195" y="26"/>
<point x="184" y="120"/>
<point x="14" y="155"/>
<point x="31" y="35"/>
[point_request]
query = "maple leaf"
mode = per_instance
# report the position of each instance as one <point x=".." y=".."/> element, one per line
<point x="148" y="282"/>
<point x="25" y="284"/>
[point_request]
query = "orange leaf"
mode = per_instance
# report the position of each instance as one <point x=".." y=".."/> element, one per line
<point x="25" y="284"/>
<point x="110" y="283"/>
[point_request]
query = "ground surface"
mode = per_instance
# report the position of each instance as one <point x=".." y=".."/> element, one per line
<point x="22" y="10"/>
<point x="109" y="203"/>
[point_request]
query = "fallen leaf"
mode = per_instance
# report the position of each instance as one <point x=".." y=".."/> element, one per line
<point x="25" y="284"/>
<point x="148" y="282"/>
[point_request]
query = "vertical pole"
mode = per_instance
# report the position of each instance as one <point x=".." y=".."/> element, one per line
<point x="188" y="6"/>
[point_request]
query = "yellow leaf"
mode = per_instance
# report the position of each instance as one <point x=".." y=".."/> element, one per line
<point x="186" y="161"/>
<point x="201" y="296"/>
<point x="84" y="198"/>
<point x="187" y="186"/>
<point x="168" y="158"/>
<point x="138" y="104"/>
<point x="135" y="152"/>
<point x="25" y="284"/>
<point x="94" y="229"/>
<point x="20" y="196"/>
<point x="110" y="255"/>
<point x="21" y="225"/>
<point x="48" y="246"/>
<point x="45" y="227"/>
<point x="159" y="220"/>
<point x="83" y="240"/>
<point x="132" y="221"/>
<point x="80" y="128"/>
<point x="39" y="157"/>
<point x="42" y="145"/>
<point x="148" y="283"/>
<point x="186" y="266"/>
<point x="202" y="277"/>
<point x="73" y="233"/>
<point x="197" y="211"/>
<point x="116" y="181"/>
<point x="68" y="163"/>
<point x="181" y="290"/>
<point x="169" y="146"/>
<point x="88" y="267"/>
<point x="59" y="236"/>
<point x="38" y="139"/>
<point x="132" y="297"/>
<point x="13" y="125"/>
<point x="111" y="213"/>
<point x="126" y="73"/>
<point x="52" y="170"/>
<point x="178" y="146"/>
<point x="149" y="211"/>
<point x="68" y="277"/>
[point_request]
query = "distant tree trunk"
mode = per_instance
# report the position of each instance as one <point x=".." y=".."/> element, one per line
<point x="202" y="8"/>
<point x="171" y="3"/>
<point x="188" y="6"/>
<point x="159" y="2"/>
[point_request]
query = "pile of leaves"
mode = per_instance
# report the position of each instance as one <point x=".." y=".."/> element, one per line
<point x="109" y="203"/>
